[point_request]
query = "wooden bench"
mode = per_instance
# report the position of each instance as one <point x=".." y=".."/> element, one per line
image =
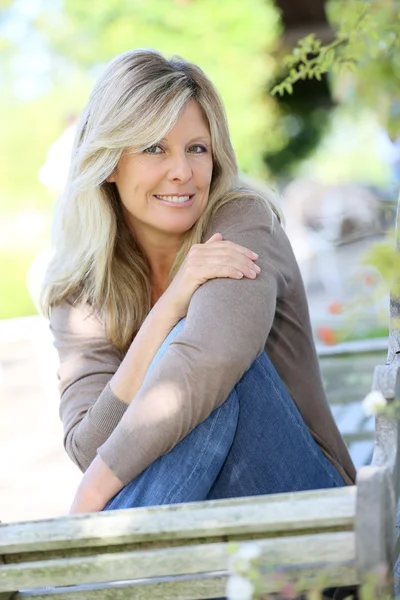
<point x="184" y="552"/>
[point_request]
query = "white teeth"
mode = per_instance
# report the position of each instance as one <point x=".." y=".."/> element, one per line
<point x="177" y="199"/>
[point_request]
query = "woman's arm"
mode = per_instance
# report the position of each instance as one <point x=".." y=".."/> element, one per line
<point x="90" y="407"/>
<point x="99" y="483"/>
<point x="215" y="258"/>
<point x="130" y="374"/>
<point x="96" y="382"/>
<point x="90" y="367"/>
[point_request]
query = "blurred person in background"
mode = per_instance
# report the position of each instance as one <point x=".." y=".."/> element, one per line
<point x="52" y="174"/>
<point x="54" y="171"/>
<point x="187" y="365"/>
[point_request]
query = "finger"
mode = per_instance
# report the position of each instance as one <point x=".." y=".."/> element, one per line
<point x="242" y="249"/>
<point x="242" y="264"/>
<point x="220" y="272"/>
<point x="217" y="237"/>
<point x="230" y="271"/>
<point x="212" y="257"/>
<point x="227" y="246"/>
<point x="239" y="263"/>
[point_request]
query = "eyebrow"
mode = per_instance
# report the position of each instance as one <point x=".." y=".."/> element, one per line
<point x="200" y="138"/>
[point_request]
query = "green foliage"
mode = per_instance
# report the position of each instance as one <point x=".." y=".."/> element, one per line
<point x="304" y="118"/>
<point x="15" y="300"/>
<point x="383" y="257"/>
<point x="364" y="59"/>
<point x="26" y="134"/>
<point x="367" y="43"/>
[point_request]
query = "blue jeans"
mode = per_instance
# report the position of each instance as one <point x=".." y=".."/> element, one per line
<point x="255" y="443"/>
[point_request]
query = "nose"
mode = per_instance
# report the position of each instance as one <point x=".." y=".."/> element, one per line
<point x="180" y="169"/>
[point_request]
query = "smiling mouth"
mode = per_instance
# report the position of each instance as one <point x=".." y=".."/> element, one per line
<point x="175" y="199"/>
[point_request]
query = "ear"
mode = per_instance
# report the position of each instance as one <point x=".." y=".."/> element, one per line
<point x="111" y="178"/>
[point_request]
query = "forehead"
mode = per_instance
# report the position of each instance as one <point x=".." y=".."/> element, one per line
<point x="191" y="122"/>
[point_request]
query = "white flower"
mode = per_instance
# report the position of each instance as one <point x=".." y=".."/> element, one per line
<point x="373" y="403"/>
<point x="249" y="551"/>
<point x="239" y="588"/>
<point x="241" y="560"/>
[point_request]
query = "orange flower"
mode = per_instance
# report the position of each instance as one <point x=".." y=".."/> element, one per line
<point x="326" y="335"/>
<point x="336" y="308"/>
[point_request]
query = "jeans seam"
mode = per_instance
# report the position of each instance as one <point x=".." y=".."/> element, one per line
<point x="314" y="449"/>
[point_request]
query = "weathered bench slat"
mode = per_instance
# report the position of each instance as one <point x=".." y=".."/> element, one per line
<point x="330" y="548"/>
<point x="167" y="588"/>
<point x="286" y="513"/>
<point x="182" y="587"/>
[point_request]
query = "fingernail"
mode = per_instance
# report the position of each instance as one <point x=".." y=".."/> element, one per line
<point x="253" y="273"/>
<point x="254" y="255"/>
<point x="256" y="268"/>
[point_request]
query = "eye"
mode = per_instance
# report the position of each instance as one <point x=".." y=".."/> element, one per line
<point x="198" y="149"/>
<point x="155" y="149"/>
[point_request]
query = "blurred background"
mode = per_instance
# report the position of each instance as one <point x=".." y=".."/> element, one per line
<point x="329" y="150"/>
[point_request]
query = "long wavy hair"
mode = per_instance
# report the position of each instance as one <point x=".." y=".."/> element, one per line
<point x="97" y="260"/>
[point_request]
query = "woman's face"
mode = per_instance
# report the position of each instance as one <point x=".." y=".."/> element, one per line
<point x="164" y="190"/>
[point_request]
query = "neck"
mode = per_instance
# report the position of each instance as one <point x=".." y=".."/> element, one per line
<point x="160" y="251"/>
<point x="161" y="259"/>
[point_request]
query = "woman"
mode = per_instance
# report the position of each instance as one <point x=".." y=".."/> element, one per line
<point x="187" y="365"/>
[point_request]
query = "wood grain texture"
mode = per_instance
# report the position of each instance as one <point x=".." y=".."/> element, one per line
<point x="285" y="513"/>
<point x="387" y="447"/>
<point x="166" y="588"/>
<point x="297" y="551"/>
<point x="4" y="595"/>
<point x="375" y="526"/>
<point x="387" y="379"/>
<point x="185" y="588"/>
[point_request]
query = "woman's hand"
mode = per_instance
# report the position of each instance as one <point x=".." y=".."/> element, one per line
<point x="211" y="260"/>
<point x="97" y="487"/>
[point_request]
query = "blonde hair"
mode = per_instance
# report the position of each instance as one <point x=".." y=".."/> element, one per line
<point x="134" y="104"/>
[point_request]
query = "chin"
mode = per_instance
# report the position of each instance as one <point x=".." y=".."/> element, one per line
<point x="178" y="230"/>
<point x="179" y="226"/>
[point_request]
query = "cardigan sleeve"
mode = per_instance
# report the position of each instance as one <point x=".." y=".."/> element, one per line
<point x="87" y="361"/>
<point x="226" y="328"/>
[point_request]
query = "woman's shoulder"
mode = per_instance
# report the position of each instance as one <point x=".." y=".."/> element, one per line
<point x="246" y="214"/>
<point x="247" y="209"/>
<point x="75" y="316"/>
<point x="251" y="221"/>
